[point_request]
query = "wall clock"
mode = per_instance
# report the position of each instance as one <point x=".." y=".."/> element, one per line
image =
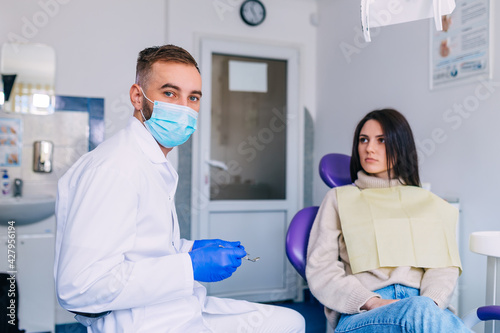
<point x="253" y="12"/>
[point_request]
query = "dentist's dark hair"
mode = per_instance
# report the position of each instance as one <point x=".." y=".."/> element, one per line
<point x="400" y="149"/>
<point x="166" y="53"/>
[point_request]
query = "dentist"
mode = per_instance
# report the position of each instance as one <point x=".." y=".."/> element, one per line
<point x="120" y="264"/>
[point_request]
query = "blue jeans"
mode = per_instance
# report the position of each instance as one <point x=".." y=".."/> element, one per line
<point x="413" y="313"/>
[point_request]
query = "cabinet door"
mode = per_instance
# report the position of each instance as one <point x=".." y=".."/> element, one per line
<point x="34" y="264"/>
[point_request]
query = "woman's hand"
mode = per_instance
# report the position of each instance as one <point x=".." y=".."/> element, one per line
<point x="376" y="302"/>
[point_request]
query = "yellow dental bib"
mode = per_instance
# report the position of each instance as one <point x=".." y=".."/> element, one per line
<point x="397" y="226"/>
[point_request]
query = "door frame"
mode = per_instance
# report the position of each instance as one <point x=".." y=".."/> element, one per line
<point x="200" y="196"/>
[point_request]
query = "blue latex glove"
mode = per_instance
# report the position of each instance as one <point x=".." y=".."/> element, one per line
<point x="208" y="242"/>
<point x="213" y="263"/>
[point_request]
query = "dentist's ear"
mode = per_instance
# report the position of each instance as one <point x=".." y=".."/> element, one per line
<point x="136" y="96"/>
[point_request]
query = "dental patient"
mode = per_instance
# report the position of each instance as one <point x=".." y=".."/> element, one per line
<point x="382" y="253"/>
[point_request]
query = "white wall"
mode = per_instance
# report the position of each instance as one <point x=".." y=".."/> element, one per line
<point x="96" y="44"/>
<point x="393" y="71"/>
<point x="288" y="23"/>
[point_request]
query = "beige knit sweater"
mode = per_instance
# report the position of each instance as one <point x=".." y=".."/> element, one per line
<point x="329" y="274"/>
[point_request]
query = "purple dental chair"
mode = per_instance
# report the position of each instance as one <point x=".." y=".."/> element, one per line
<point x="334" y="171"/>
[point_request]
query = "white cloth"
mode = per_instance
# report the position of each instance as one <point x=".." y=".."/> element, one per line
<point x="118" y="244"/>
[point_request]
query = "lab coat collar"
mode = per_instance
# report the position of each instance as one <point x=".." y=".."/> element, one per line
<point x="146" y="142"/>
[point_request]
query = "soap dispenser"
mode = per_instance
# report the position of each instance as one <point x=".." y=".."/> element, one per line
<point x="42" y="156"/>
<point x="5" y="184"/>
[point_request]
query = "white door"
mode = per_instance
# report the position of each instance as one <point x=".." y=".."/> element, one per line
<point x="247" y="153"/>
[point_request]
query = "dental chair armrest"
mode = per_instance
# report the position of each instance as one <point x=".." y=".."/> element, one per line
<point x="483" y="313"/>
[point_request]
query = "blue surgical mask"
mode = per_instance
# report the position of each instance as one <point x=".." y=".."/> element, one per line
<point x="170" y="124"/>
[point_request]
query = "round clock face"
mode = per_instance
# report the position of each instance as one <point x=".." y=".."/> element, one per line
<point x="253" y="12"/>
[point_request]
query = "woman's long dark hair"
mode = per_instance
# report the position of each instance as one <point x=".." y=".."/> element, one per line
<point x="400" y="147"/>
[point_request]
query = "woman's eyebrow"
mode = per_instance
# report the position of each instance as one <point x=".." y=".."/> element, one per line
<point x="377" y="136"/>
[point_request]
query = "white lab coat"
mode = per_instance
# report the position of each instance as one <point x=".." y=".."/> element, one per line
<point x="118" y="245"/>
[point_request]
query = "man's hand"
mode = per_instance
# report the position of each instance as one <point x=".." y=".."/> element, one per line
<point x="214" y="263"/>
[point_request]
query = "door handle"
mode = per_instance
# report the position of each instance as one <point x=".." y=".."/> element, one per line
<point x="217" y="164"/>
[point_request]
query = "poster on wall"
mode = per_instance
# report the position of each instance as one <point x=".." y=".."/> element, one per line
<point x="10" y="142"/>
<point x="461" y="51"/>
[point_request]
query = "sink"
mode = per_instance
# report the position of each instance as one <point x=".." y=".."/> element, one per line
<point x="27" y="209"/>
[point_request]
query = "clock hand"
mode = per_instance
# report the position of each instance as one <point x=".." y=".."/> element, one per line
<point x="254" y="11"/>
